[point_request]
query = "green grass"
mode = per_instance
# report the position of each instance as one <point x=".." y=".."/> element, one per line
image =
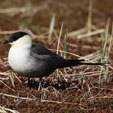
<point x="51" y="28"/>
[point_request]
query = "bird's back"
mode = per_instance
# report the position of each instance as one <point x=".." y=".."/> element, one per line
<point x="35" y="61"/>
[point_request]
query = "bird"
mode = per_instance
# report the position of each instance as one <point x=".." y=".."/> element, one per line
<point x="29" y="60"/>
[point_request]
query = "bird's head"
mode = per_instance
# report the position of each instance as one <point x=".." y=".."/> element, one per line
<point x="19" y="39"/>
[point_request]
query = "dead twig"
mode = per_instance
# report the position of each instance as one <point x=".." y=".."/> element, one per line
<point x="58" y="102"/>
<point x="6" y="110"/>
<point x="17" y="97"/>
<point x="90" y="34"/>
<point x="7" y="86"/>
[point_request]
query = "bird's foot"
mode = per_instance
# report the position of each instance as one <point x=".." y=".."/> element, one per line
<point x="40" y="84"/>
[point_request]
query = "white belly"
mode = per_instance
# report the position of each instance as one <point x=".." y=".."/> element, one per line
<point x="23" y="63"/>
<point x="18" y="59"/>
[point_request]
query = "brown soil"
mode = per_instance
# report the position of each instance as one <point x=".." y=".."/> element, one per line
<point x="81" y="93"/>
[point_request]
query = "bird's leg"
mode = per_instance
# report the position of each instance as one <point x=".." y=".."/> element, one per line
<point x="40" y="84"/>
<point x="29" y="83"/>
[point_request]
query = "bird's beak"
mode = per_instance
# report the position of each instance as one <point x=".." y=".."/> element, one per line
<point x="6" y="42"/>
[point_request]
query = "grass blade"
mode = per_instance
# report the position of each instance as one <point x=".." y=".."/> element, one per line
<point x="65" y="43"/>
<point x="12" y="78"/>
<point x="51" y="28"/>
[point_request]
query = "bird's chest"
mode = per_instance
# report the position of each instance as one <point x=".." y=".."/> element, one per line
<point x="18" y="59"/>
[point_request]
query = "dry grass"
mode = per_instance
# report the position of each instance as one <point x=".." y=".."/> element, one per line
<point x="72" y="88"/>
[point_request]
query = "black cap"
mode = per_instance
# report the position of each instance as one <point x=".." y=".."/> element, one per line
<point x="15" y="37"/>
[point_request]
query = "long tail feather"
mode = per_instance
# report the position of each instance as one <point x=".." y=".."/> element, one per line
<point x="69" y="63"/>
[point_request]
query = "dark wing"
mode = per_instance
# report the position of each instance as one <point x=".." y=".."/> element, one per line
<point x="45" y="55"/>
<point x="41" y="50"/>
